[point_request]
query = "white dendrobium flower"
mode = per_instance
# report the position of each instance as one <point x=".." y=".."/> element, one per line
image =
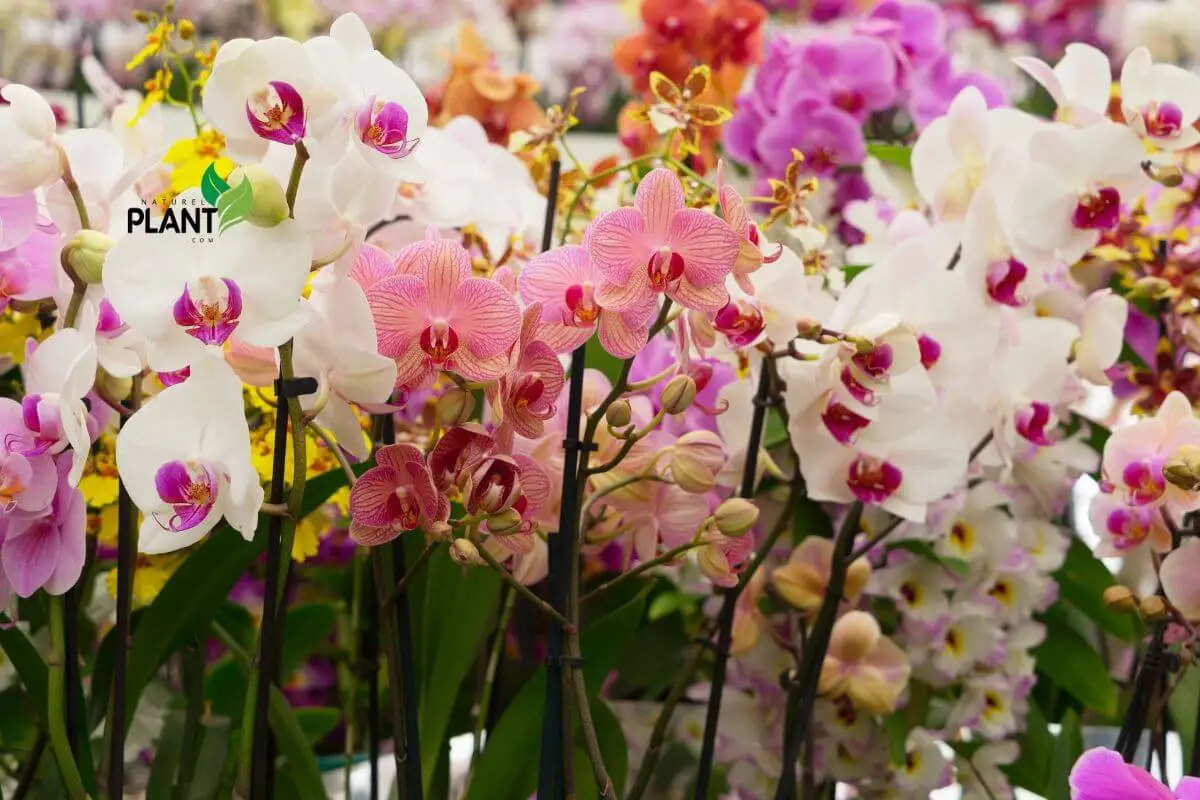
<point x="30" y="157"/>
<point x="265" y="91"/>
<point x="952" y="157"/>
<point x="339" y="349"/>
<point x="184" y="298"/>
<point x="185" y="458"/>
<point x="1072" y="188"/>
<point x="1160" y="101"/>
<point x="58" y="374"/>
<point x="379" y="105"/>
<point x="1080" y="83"/>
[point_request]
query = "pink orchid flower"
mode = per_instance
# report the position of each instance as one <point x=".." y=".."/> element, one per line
<point x="457" y="452"/>
<point x="1123" y="528"/>
<point x="1102" y="774"/>
<point x="1134" y="456"/>
<point x="722" y="557"/>
<point x="659" y="245"/>
<point x="394" y="496"/>
<point x="46" y="552"/>
<point x="565" y="282"/>
<point x="524" y="397"/>
<point x="750" y="256"/>
<point x="864" y="665"/>
<point x="441" y="318"/>
<point x="1178" y="576"/>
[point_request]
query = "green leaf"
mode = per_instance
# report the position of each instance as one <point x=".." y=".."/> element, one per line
<point x="317" y="722"/>
<point x="293" y="744"/>
<point x="214" y="748"/>
<point x="809" y="519"/>
<point x="466" y="603"/>
<point x="212" y="185"/>
<point x="308" y="627"/>
<point x="1082" y="580"/>
<point x="1184" y="701"/>
<point x="166" y="757"/>
<point x="1032" y="766"/>
<point x="897" y="155"/>
<point x="1071" y="662"/>
<point x="234" y="205"/>
<point x="852" y="271"/>
<point x="613" y="746"/>
<point x="506" y="770"/>
<point x="26" y="660"/>
<point x="1068" y="746"/>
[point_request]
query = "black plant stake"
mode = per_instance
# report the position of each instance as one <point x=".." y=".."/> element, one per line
<point x="262" y="765"/>
<point x="762" y="401"/>
<point x="551" y="778"/>
<point x="369" y="650"/>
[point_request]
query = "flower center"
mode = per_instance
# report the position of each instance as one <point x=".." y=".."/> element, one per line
<point x="849" y="101"/>
<point x="931" y="351"/>
<point x="1004" y="279"/>
<point x="1163" y="120"/>
<point x="740" y="321"/>
<point x="190" y="488"/>
<point x="873" y="480"/>
<point x="842" y="423"/>
<point x="580" y="301"/>
<point x="383" y="126"/>
<point x="1129" y="527"/>
<point x="14" y="279"/>
<point x="108" y="322"/>
<point x="665" y="268"/>
<point x="209" y="309"/>
<point x="1144" y="481"/>
<point x="1098" y="211"/>
<point x="43" y="417"/>
<point x="276" y="113"/>
<point x="528" y="389"/>
<point x="1032" y="422"/>
<point x="439" y="341"/>
<point x="15" y="474"/>
<point x="405" y="510"/>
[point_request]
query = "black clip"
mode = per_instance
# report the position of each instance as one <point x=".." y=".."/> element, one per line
<point x="575" y="662"/>
<point x="295" y="387"/>
<point x="768" y="402"/>
<point x="575" y="444"/>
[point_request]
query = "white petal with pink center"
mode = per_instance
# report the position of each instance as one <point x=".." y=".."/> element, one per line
<point x="1160" y="101"/>
<point x="58" y="375"/>
<point x="1079" y="83"/>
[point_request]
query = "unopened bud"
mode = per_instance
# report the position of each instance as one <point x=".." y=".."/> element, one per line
<point x="187" y="29"/>
<point x="268" y="203"/>
<point x="141" y="16"/>
<point x="1168" y="175"/>
<point x="504" y="523"/>
<point x="439" y="531"/>
<point x="1152" y="608"/>
<point x="464" y="552"/>
<point x="809" y="328"/>
<point x="679" y="394"/>
<point x="113" y="387"/>
<point x="736" y="516"/>
<point x="85" y="255"/>
<point x="619" y="414"/>
<point x="455" y="407"/>
<point x="1184" y="469"/>
<point x="1120" y="598"/>
<point x="1149" y="287"/>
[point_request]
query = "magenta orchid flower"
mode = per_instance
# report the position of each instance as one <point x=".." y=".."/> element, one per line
<point x="46" y="552"/>
<point x="564" y="281"/>
<point x="1102" y="774"/>
<point x="524" y="398"/>
<point x="1134" y="456"/>
<point x="457" y="452"/>
<point x="441" y="318"/>
<point x="394" y="496"/>
<point x="659" y="245"/>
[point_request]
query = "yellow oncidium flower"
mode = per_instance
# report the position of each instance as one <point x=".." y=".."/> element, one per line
<point x="156" y="91"/>
<point x="149" y="578"/>
<point x="308" y="535"/>
<point x="156" y="39"/>
<point x="539" y="139"/>
<point x="679" y="108"/>
<point x="191" y="157"/>
<point x="205" y="59"/>
<point x="15" y="329"/>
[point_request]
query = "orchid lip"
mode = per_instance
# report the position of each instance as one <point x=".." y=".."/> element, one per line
<point x="873" y="480"/>
<point x="1004" y="280"/>
<point x="191" y="489"/>
<point x="383" y="126"/>
<point x="1099" y="210"/>
<point x="209" y="309"/>
<point x="276" y="113"/>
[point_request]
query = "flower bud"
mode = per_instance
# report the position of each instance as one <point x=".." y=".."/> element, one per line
<point x="1184" y="469"/>
<point x="116" y="388"/>
<point x="1120" y="598"/>
<point x="619" y="414"/>
<point x="455" y="407"/>
<point x="809" y="328"/>
<point x="268" y="206"/>
<point x="85" y="255"/>
<point x="439" y="531"/>
<point x="186" y="29"/>
<point x="1168" y="175"/>
<point x="141" y="16"/>
<point x="715" y="566"/>
<point x="1149" y="287"/>
<point x="736" y="516"/>
<point x="464" y="551"/>
<point x="690" y="474"/>
<point x="679" y="394"/>
<point x="1152" y="608"/>
<point x="504" y="523"/>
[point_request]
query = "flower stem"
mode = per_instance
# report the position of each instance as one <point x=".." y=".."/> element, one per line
<point x="663" y="558"/>
<point x="294" y="179"/>
<point x="402" y="584"/>
<point x="381" y="564"/>
<point x="483" y="704"/>
<point x="524" y="590"/>
<point x="56" y="695"/>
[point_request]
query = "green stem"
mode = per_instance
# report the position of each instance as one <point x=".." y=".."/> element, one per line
<point x="384" y="573"/>
<point x="402" y="584"/>
<point x="664" y="558"/>
<point x="591" y="181"/>
<point x="524" y="590"/>
<point x="349" y="636"/>
<point x="484" y="701"/>
<point x="294" y="179"/>
<point x="193" y="688"/>
<point x="56" y="695"/>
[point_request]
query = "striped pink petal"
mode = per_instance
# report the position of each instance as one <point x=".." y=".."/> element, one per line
<point x="708" y="245"/>
<point x="633" y="293"/>
<point x="486" y="317"/>
<point x="708" y="298"/>
<point x="618" y="243"/>
<point x="399" y="307"/>
<point x="447" y="267"/>
<point x="371" y="535"/>
<point x="618" y="337"/>
<point x="659" y="197"/>
<point x="474" y="368"/>
<point x="398" y="457"/>
<point x="371" y="265"/>
<point x="370" y="495"/>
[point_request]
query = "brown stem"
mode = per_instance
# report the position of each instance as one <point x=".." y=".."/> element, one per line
<point x="402" y="584"/>
<point x="525" y="591"/>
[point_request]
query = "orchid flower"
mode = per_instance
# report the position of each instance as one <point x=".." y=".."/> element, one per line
<point x="1160" y="101"/>
<point x="105" y="179"/>
<point x="394" y="496"/>
<point x="660" y="246"/>
<point x="58" y="373"/>
<point x="338" y="348"/>
<point x="27" y="479"/>
<point x="864" y="665"/>
<point x="185" y="459"/>
<point x="46" y="552"/>
<point x="565" y="281"/>
<point x="29" y="246"/>
<point x="441" y="318"/>
<point x="1134" y="456"/>
<point x="804" y="580"/>
<point x="1178" y="576"/>
<point x="31" y="158"/>
<point x="1079" y="83"/>
<point x="752" y="255"/>
<point x="1102" y="774"/>
<point x="528" y="390"/>
<point x="185" y="298"/>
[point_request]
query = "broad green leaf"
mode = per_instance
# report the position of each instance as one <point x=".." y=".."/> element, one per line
<point x="467" y="604"/>
<point x="1082" y="580"/>
<point x="508" y="767"/>
<point x="1032" y="766"/>
<point x="1185" y="700"/>
<point x="1073" y="664"/>
<point x="166" y="757"/>
<point x="613" y="746"/>
<point x="27" y="662"/>
<point x="234" y="205"/>
<point x="317" y="722"/>
<point x="809" y="519"/>
<point x="897" y="155"/>
<point x="1068" y="746"/>
<point x="852" y="271"/>
<point x="212" y="185"/>
<point x="293" y="744"/>
<point x="308" y="626"/>
<point x="214" y="747"/>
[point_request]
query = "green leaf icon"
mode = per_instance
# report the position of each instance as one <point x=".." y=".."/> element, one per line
<point x="212" y="185"/>
<point x="234" y="205"/>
